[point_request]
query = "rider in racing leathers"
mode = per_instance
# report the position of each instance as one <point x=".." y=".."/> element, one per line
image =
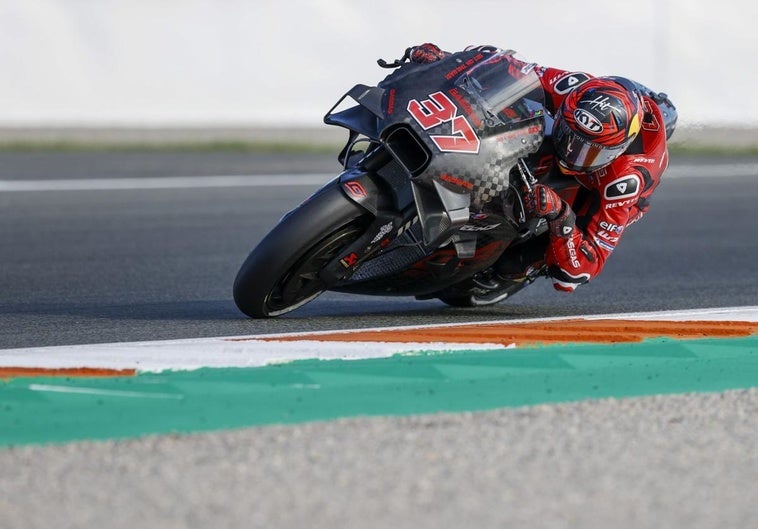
<point x="610" y="135"/>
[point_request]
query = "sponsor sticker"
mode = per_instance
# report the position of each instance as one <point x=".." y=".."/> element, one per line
<point x="355" y="190"/>
<point x="486" y="227"/>
<point x="456" y="181"/>
<point x="384" y="230"/>
<point x="349" y="260"/>
<point x="587" y="121"/>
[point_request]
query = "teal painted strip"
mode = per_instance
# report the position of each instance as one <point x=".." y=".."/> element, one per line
<point x="44" y="410"/>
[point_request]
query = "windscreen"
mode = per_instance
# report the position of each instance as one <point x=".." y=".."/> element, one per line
<point x="504" y="93"/>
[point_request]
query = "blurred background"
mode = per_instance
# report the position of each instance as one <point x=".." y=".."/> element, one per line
<point x="240" y="65"/>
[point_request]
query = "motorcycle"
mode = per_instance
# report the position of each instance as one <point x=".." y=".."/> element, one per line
<point x="430" y="197"/>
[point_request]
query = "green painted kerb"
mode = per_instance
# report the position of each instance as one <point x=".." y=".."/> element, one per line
<point x="44" y="410"/>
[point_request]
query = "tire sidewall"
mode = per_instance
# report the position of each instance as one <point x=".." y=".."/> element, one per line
<point x="312" y="221"/>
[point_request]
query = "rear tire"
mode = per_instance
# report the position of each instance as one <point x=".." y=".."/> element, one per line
<point x="282" y="273"/>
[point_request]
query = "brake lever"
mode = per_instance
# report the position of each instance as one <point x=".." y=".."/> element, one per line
<point x="397" y="62"/>
<point x="533" y="224"/>
<point x="526" y="175"/>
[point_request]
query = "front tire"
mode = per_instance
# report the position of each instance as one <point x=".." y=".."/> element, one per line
<point x="282" y="273"/>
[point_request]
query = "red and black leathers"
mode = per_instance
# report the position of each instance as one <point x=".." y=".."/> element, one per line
<point x="611" y="198"/>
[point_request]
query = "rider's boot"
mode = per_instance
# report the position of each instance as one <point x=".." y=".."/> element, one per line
<point x="522" y="262"/>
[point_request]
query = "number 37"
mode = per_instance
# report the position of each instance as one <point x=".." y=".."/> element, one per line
<point x="438" y="109"/>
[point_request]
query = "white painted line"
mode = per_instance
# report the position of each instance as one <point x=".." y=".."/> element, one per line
<point x="714" y="314"/>
<point x="253" y="351"/>
<point x="287" y="180"/>
<point x="749" y="314"/>
<point x="104" y="392"/>
<point x="166" y="182"/>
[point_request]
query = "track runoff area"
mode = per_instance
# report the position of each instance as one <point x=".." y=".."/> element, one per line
<point x="121" y="390"/>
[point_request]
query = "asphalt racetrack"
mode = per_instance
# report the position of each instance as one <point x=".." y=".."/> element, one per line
<point x="111" y="247"/>
<point x="85" y="263"/>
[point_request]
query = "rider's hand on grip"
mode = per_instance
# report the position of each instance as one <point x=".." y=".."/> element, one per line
<point x="542" y="201"/>
<point x="426" y="53"/>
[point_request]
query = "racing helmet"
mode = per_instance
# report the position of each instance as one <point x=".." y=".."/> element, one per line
<point x="596" y="123"/>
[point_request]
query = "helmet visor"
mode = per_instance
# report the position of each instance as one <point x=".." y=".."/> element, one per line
<point x="581" y="154"/>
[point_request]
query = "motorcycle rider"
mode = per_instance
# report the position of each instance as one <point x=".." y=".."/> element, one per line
<point x="608" y="133"/>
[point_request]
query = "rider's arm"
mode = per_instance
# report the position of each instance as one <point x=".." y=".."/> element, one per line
<point x="577" y="254"/>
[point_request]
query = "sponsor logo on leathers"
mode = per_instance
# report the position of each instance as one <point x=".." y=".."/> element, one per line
<point x="569" y="82"/>
<point x="624" y="187"/>
<point x="609" y="226"/>
<point x="621" y="204"/>
<point x="607" y="236"/>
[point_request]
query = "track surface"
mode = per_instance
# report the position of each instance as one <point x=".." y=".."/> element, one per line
<point x="144" y="264"/>
<point x="103" y="266"/>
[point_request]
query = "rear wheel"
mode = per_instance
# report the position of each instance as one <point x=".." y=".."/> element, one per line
<point x="282" y="272"/>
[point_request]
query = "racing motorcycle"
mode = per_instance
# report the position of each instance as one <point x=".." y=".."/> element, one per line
<point x="430" y="197"/>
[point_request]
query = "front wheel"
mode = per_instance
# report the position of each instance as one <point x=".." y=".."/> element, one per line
<point x="282" y="272"/>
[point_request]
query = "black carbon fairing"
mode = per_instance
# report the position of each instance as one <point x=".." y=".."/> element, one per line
<point x="453" y="131"/>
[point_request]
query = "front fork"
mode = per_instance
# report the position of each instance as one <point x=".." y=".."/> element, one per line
<point x="359" y="186"/>
<point x="377" y="236"/>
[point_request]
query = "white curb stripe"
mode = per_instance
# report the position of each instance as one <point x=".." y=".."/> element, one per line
<point x="252" y="351"/>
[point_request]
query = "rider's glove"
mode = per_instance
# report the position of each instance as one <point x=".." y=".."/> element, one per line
<point x="426" y="53"/>
<point x="542" y="201"/>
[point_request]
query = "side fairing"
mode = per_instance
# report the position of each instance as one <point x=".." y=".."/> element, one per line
<point x="467" y="150"/>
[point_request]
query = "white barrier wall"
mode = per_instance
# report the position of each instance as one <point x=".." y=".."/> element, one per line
<point x="255" y="62"/>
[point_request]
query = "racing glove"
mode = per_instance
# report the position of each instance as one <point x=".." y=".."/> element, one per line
<point x="426" y="53"/>
<point x="542" y="201"/>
